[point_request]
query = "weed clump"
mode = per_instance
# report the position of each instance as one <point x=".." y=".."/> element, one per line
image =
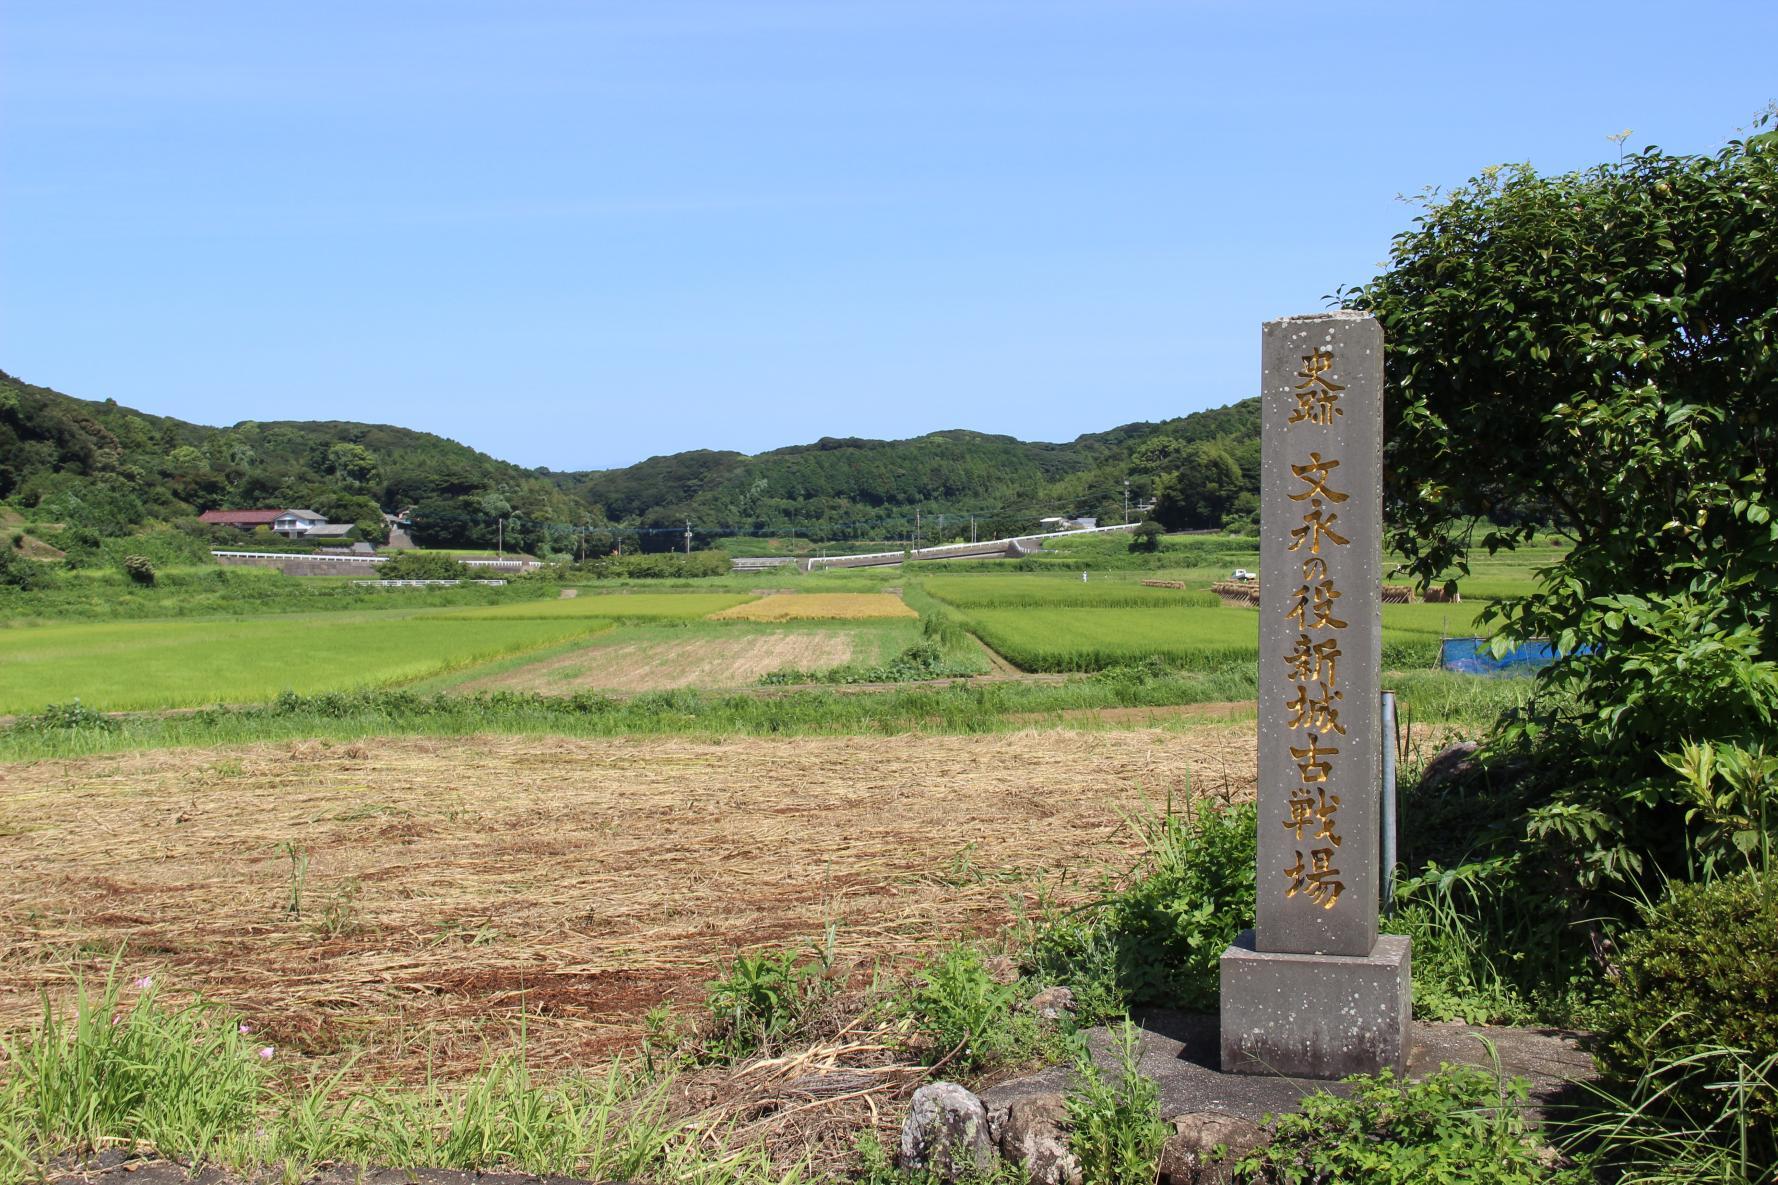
<point x="1460" y="1124"/>
<point x="762" y="1001"/>
<point x="1115" y="1127"/>
<point x="965" y="1019"/>
<point x="1155" y="936"/>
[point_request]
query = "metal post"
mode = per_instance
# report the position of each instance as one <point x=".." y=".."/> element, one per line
<point x="1389" y="746"/>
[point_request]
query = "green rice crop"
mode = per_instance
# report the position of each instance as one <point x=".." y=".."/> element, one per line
<point x="1031" y="590"/>
<point x="1082" y="638"/>
<point x="1090" y="639"/>
<point x="655" y="606"/>
<point x="185" y="663"/>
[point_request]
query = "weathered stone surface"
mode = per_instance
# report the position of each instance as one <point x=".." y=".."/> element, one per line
<point x="1189" y="1155"/>
<point x="1052" y="1003"/>
<point x="1320" y="634"/>
<point x="1182" y="1053"/>
<point x="1001" y="969"/>
<point x="946" y="1132"/>
<point x="1315" y="1016"/>
<point x="1035" y="1137"/>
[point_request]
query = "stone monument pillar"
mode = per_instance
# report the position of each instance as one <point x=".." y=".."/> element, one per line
<point x="1313" y="991"/>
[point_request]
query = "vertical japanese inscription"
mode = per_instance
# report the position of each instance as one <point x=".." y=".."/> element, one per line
<point x="1320" y="737"/>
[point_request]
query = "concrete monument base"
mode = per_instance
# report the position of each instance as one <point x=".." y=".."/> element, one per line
<point x="1315" y="1016"/>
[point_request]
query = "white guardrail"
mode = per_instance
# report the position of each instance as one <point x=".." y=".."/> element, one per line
<point x="954" y="549"/>
<point x="521" y="565"/>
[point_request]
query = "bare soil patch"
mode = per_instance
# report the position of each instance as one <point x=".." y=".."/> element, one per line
<point x="455" y="885"/>
<point x="703" y="660"/>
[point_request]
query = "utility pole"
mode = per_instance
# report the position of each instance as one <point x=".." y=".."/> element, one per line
<point x="916" y="526"/>
<point x="972" y="528"/>
<point x="500" y="538"/>
<point x="688" y="536"/>
<point x="1126" y="501"/>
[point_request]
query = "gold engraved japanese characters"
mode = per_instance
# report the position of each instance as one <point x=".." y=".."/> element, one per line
<point x="1317" y="396"/>
<point x="1314" y="698"/>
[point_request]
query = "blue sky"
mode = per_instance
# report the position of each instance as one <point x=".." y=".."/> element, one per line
<point x="577" y="234"/>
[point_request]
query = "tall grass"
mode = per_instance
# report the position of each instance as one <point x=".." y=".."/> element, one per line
<point x="185" y="1080"/>
<point x="107" y="595"/>
<point x="1644" y="1138"/>
<point x="191" y="1082"/>
<point x="69" y="731"/>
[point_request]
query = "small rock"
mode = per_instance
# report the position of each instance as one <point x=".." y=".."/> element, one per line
<point x="1186" y="1157"/>
<point x="1035" y="1137"/>
<point x="1052" y="1003"/>
<point x="1449" y="764"/>
<point x="946" y="1133"/>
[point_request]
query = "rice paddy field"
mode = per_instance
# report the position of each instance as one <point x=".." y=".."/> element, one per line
<point x="645" y="637"/>
<point x="1046" y="623"/>
<point x="610" y="607"/>
<point x="116" y="666"/>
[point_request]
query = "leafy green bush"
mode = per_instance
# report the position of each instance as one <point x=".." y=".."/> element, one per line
<point x="1115" y="1128"/>
<point x="1461" y="1124"/>
<point x="1642" y="420"/>
<point x="962" y="1016"/>
<point x="422" y="565"/>
<point x="140" y="570"/>
<point x="659" y="565"/>
<point x="1147" y="537"/>
<point x="17" y="571"/>
<point x="1156" y="936"/>
<point x="1699" y="980"/>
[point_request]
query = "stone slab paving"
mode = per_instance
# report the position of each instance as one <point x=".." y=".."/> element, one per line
<point x="1182" y="1053"/>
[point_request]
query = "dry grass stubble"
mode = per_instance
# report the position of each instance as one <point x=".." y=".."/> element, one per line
<point x="453" y="885"/>
<point x="704" y="662"/>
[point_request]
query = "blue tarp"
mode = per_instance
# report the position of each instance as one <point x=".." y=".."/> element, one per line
<point x="1474" y="656"/>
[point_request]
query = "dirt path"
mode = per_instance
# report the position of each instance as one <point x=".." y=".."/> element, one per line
<point x="452" y="885"/>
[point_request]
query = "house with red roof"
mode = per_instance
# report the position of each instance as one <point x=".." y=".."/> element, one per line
<point x="292" y="524"/>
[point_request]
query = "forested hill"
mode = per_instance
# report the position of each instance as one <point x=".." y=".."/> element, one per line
<point x="109" y="469"/>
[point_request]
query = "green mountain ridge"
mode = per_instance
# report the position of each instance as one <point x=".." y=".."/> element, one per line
<point x="109" y="469"/>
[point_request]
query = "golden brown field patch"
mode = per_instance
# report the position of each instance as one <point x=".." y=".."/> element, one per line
<point x="452" y="886"/>
<point x="818" y="607"/>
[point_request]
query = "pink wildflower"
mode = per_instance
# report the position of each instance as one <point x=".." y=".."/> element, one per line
<point x="146" y="982"/>
<point x="265" y="1055"/>
<point x="245" y="1028"/>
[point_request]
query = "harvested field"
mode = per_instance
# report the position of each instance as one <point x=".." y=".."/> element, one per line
<point x="650" y="664"/>
<point x="818" y="607"/>
<point x="452" y="885"/>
